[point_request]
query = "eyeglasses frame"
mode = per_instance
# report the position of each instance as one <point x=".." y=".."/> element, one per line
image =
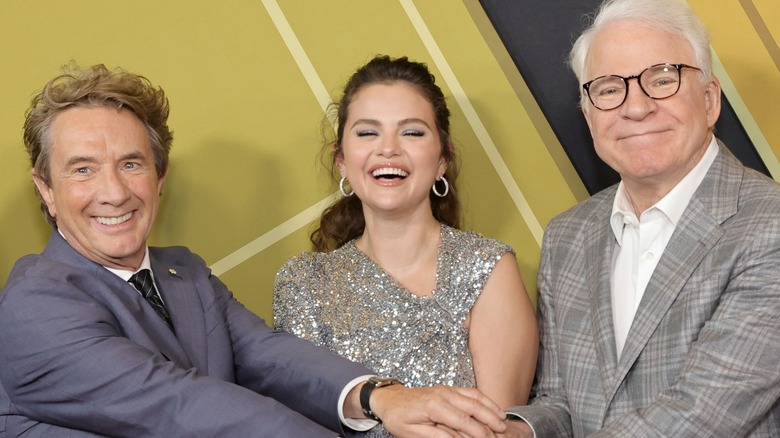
<point x="678" y="66"/>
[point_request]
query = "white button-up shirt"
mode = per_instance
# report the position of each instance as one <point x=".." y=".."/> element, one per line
<point x="641" y="242"/>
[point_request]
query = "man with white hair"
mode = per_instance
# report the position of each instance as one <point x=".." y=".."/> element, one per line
<point x="659" y="297"/>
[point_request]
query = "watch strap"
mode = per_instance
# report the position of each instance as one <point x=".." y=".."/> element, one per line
<point x="365" y="394"/>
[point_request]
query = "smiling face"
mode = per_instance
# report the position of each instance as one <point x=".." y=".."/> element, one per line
<point x="391" y="150"/>
<point x="104" y="189"/>
<point x="650" y="143"/>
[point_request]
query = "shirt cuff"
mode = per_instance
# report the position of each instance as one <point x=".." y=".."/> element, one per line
<point x="515" y="417"/>
<point x="357" y="424"/>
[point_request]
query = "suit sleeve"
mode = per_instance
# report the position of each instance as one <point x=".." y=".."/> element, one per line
<point x="289" y="369"/>
<point x="65" y="363"/>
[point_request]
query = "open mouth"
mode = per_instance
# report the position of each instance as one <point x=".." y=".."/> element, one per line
<point x="389" y="173"/>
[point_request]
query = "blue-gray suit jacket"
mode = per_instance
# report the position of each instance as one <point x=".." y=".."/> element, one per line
<point x="83" y="354"/>
<point x="702" y="357"/>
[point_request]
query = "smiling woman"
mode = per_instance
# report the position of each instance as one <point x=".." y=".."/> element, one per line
<point x="423" y="103"/>
<point x="395" y="284"/>
<point x="391" y="151"/>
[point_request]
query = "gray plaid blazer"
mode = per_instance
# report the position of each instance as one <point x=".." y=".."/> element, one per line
<point x="702" y="357"/>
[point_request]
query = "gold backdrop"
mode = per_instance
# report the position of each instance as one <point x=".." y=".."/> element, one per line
<point x="248" y="82"/>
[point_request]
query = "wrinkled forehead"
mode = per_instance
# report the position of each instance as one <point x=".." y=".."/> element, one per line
<point x="96" y="131"/>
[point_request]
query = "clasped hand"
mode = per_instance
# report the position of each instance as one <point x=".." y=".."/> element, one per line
<point x="438" y="412"/>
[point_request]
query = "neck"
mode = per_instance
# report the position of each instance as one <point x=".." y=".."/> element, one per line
<point x="398" y="245"/>
<point x="646" y="192"/>
<point x="643" y="197"/>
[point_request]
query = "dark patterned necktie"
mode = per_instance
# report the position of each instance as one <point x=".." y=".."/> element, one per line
<point x="142" y="280"/>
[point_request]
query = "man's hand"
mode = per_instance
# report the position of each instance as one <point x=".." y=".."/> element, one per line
<point x="439" y="411"/>
<point x="517" y="429"/>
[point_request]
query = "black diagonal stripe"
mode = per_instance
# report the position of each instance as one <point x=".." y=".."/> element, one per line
<point x="538" y="35"/>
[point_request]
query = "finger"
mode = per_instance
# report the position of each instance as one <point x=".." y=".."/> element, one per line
<point x="480" y="397"/>
<point x="429" y="431"/>
<point x="451" y="432"/>
<point x="467" y="416"/>
<point x="481" y="410"/>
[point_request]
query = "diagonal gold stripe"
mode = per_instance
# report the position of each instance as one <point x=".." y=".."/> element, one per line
<point x="321" y="93"/>
<point x="323" y="97"/>
<point x="748" y="122"/>
<point x="297" y="52"/>
<point x="276" y="234"/>
<point x="474" y="120"/>
<point x="762" y="30"/>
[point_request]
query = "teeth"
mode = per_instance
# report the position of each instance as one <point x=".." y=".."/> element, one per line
<point x="115" y="220"/>
<point x="385" y="171"/>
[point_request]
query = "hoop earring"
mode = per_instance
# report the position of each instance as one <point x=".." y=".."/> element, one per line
<point x="341" y="188"/>
<point x="446" y="188"/>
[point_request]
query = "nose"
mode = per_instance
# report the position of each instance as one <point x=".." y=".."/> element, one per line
<point x="389" y="146"/>
<point x="637" y="104"/>
<point x="114" y="188"/>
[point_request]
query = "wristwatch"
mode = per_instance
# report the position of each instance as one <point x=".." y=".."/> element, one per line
<point x="365" y="393"/>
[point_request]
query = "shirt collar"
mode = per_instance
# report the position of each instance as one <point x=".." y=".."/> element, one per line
<point x="674" y="203"/>
<point x="122" y="273"/>
<point x="125" y="274"/>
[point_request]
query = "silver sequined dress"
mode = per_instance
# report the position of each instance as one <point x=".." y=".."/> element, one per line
<point x="344" y="301"/>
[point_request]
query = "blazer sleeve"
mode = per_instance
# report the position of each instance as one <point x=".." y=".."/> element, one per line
<point x="65" y="363"/>
<point x="289" y="369"/>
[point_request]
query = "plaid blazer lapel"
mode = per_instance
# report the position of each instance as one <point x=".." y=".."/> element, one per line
<point x="601" y="249"/>
<point x="696" y="233"/>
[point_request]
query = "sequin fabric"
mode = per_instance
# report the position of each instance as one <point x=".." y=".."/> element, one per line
<point x="344" y="301"/>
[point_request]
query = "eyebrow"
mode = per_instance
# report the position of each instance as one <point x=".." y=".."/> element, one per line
<point x="78" y="159"/>
<point x="134" y="155"/>
<point x="413" y="120"/>
<point x="402" y="122"/>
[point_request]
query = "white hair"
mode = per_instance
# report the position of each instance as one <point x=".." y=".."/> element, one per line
<point x="672" y="16"/>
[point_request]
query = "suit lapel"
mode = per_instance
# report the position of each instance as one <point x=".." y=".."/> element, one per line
<point x="601" y="249"/>
<point x="183" y="303"/>
<point x="124" y="300"/>
<point x="154" y="327"/>
<point x="696" y="233"/>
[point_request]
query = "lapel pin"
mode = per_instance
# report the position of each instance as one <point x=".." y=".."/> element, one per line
<point x="171" y="271"/>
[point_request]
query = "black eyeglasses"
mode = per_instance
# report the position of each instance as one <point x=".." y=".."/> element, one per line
<point x="657" y="82"/>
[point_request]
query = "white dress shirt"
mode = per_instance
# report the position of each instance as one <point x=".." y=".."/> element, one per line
<point x="641" y="242"/>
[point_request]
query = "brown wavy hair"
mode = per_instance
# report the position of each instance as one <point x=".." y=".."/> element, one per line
<point x="343" y="220"/>
<point x="95" y="86"/>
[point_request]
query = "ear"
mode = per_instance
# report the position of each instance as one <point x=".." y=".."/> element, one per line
<point x="161" y="181"/>
<point x="712" y="95"/>
<point x="46" y="193"/>
<point x="339" y="160"/>
<point x="443" y="162"/>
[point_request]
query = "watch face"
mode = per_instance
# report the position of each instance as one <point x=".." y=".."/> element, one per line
<point x="383" y="381"/>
